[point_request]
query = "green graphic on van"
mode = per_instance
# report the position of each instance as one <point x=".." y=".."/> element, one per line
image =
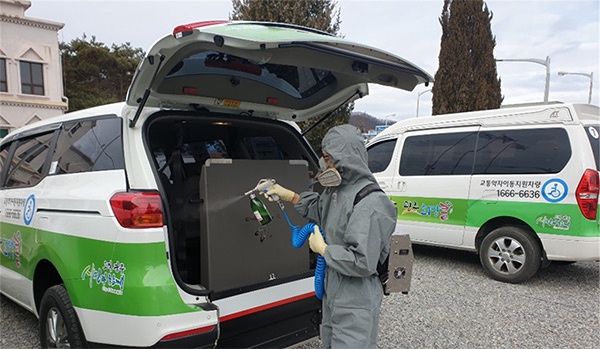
<point x="556" y="222"/>
<point x="12" y="248"/>
<point x="111" y="276"/>
<point x="442" y="210"/>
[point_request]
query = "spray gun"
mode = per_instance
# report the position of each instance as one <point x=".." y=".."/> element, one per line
<point x="258" y="208"/>
<point x="263" y="186"/>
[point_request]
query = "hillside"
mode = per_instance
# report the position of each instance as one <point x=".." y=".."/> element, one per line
<point x="366" y="122"/>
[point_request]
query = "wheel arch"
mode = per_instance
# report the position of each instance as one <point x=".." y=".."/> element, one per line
<point x="498" y="222"/>
<point x="45" y="276"/>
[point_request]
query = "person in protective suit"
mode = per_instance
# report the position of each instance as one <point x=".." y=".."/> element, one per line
<point x="358" y="237"/>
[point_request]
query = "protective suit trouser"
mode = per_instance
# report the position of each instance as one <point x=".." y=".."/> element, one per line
<point x="351" y="325"/>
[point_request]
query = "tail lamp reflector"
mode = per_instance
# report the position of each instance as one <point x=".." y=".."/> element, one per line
<point x="587" y="194"/>
<point x="138" y="210"/>
<point x="188" y="333"/>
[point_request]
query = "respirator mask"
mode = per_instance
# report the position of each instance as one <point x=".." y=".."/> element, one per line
<point x="328" y="176"/>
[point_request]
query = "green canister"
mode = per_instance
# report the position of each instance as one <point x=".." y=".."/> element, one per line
<point x="260" y="211"/>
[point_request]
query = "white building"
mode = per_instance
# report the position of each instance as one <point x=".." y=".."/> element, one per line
<point x="31" y="84"/>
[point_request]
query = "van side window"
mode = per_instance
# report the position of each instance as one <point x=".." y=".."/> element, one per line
<point x="89" y="145"/>
<point x="438" y="154"/>
<point x="545" y="150"/>
<point x="380" y="155"/>
<point x="27" y="165"/>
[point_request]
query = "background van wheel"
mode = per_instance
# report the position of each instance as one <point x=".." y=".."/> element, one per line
<point x="59" y="326"/>
<point x="510" y="254"/>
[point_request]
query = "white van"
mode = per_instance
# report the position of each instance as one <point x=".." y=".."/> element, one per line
<point x="127" y="225"/>
<point x="519" y="185"/>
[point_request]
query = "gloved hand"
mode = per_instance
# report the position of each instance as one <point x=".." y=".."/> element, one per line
<point x="316" y="242"/>
<point x="283" y="193"/>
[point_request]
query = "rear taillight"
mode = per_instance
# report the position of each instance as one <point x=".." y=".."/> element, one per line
<point x="138" y="210"/>
<point x="587" y="194"/>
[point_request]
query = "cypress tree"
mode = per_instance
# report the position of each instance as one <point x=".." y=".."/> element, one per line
<point x="467" y="78"/>
<point x="316" y="14"/>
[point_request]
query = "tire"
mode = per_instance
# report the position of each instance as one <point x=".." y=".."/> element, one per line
<point x="510" y="254"/>
<point x="59" y="326"/>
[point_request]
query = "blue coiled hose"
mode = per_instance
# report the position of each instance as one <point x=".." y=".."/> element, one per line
<point x="299" y="237"/>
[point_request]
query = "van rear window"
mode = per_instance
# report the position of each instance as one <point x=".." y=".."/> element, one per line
<point x="298" y="82"/>
<point x="89" y="145"/>
<point x="593" y="133"/>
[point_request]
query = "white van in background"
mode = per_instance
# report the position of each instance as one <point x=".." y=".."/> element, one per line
<point x="126" y="225"/>
<point x="519" y="185"/>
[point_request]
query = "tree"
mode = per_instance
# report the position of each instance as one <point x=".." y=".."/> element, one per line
<point x="317" y="14"/>
<point x="95" y="74"/>
<point x="467" y="78"/>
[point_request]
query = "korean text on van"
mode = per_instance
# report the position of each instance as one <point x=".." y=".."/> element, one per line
<point x="518" y="185"/>
<point x="127" y="225"/>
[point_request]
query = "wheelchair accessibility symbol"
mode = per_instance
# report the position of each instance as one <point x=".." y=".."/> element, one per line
<point x="29" y="209"/>
<point x="555" y="190"/>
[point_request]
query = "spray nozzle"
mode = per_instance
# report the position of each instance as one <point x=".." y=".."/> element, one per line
<point x="263" y="186"/>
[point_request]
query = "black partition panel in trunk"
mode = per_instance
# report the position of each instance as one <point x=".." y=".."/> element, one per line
<point x="236" y="251"/>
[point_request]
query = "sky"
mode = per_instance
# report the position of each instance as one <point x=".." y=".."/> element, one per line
<point x="567" y="32"/>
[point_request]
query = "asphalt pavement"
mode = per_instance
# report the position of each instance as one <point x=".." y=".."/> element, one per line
<point x="452" y="304"/>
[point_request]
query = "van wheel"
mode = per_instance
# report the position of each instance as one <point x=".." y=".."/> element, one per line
<point x="510" y="254"/>
<point x="59" y="326"/>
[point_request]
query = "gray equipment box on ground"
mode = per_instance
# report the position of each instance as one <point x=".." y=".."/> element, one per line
<point x="236" y="251"/>
<point x="400" y="264"/>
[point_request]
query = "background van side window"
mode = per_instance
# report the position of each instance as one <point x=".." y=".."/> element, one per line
<point x="380" y="155"/>
<point x="545" y="150"/>
<point x="27" y="165"/>
<point x="438" y="154"/>
<point x="89" y="145"/>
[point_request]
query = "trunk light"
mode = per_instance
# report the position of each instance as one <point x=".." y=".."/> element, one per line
<point x="272" y="100"/>
<point x="138" y="210"/>
<point x="587" y="194"/>
<point x="188" y="333"/>
<point x="186" y="29"/>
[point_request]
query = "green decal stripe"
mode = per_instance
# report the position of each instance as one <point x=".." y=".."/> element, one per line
<point x="544" y="218"/>
<point x="431" y="210"/>
<point x="130" y="279"/>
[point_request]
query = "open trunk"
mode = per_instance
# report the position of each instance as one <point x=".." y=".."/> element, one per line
<point x="205" y="163"/>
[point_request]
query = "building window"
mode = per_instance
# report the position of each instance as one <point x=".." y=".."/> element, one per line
<point x="32" y="78"/>
<point x="3" y="132"/>
<point x="3" y="83"/>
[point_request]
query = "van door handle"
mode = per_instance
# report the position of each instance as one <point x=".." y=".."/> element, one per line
<point x="401" y="186"/>
<point x="382" y="185"/>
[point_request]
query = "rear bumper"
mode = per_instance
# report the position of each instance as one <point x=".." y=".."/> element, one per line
<point x="574" y="249"/>
<point x="277" y="327"/>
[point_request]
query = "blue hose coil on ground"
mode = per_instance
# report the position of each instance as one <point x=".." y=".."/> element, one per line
<point x="299" y="237"/>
